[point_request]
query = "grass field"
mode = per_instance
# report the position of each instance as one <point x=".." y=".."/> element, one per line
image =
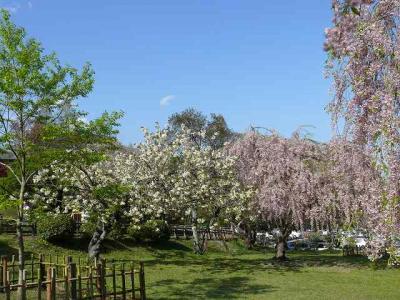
<point x="232" y="272"/>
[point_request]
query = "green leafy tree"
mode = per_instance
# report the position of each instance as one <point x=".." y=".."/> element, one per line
<point x="215" y="129"/>
<point x="38" y="117"/>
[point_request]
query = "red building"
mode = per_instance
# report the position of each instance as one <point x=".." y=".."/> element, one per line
<point x="5" y="157"/>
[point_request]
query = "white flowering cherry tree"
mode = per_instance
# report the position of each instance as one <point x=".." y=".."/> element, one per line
<point x="208" y="188"/>
<point x="89" y="188"/>
<point x="179" y="179"/>
<point x="153" y="172"/>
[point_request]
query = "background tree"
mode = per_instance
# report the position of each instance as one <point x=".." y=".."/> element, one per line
<point x="217" y="132"/>
<point x="34" y="91"/>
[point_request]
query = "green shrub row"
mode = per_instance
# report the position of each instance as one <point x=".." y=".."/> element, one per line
<point x="55" y="227"/>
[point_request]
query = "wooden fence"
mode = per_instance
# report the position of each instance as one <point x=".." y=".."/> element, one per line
<point x="185" y="232"/>
<point x="10" y="226"/>
<point x="54" y="279"/>
<point x="178" y="231"/>
<point x="353" y="250"/>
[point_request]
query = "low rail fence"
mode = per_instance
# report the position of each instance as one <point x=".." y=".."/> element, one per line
<point x="178" y="231"/>
<point x="10" y="226"/>
<point x="53" y="277"/>
<point x="353" y="250"/>
<point x="185" y="232"/>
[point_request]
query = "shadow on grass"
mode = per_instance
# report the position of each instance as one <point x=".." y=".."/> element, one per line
<point x="5" y="249"/>
<point x="235" y="287"/>
<point x="8" y="251"/>
<point x="298" y="262"/>
<point x="75" y="243"/>
<point x="180" y="254"/>
<point x="171" y="245"/>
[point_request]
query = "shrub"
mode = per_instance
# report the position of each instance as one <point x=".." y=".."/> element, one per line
<point x="315" y="237"/>
<point x="54" y="228"/>
<point x="152" y="231"/>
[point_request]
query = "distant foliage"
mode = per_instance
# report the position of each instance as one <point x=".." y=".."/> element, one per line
<point x="215" y="128"/>
<point x="56" y="227"/>
<point x="153" y="231"/>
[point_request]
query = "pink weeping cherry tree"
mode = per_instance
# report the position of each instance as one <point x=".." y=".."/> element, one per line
<point x="364" y="62"/>
<point x="285" y="173"/>
<point x="350" y="187"/>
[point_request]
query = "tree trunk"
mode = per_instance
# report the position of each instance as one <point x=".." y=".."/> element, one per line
<point x="281" y="247"/>
<point x="21" y="293"/>
<point x="250" y="237"/>
<point x="96" y="241"/>
<point x="196" y="240"/>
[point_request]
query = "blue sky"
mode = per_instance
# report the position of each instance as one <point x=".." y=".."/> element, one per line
<point x="257" y="62"/>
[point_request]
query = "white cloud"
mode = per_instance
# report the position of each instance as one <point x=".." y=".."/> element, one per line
<point x="167" y="100"/>
<point x="30" y="5"/>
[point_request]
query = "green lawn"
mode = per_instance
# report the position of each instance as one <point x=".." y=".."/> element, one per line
<point x="173" y="272"/>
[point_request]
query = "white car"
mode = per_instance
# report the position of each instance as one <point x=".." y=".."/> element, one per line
<point x="295" y="235"/>
<point x="361" y="241"/>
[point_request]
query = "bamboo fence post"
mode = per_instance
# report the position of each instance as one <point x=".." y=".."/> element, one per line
<point x="79" y="265"/>
<point x="51" y="283"/>
<point x="114" y="282"/>
<point x="2" y="273"/>
<point x="56" y="264"/>
<point x="13" y="268"/>
<point x="90" y="283"/>
<point x="97" y="267"/>
<point x="72" y="276"/>
<point x="66" y="286"/>
<point x="48" y="284"/>
<point x="103" y="291"/>
<point x="42" y="267"/>
<point x="142" y="282"/>
<point x="123" y="282"/>
<point x="7" y="286"/>
<point x="4" y="264"/>
<point x="39" y="284"/>
<point x="133" y="296"/>
<point x="68" y="259"/>
<point x="79" y="286"/>
<point x="23" y="284"/>
<point x="32" y="267"/>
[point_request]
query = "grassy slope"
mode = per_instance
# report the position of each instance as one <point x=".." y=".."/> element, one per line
<point x="173" y="272"/>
